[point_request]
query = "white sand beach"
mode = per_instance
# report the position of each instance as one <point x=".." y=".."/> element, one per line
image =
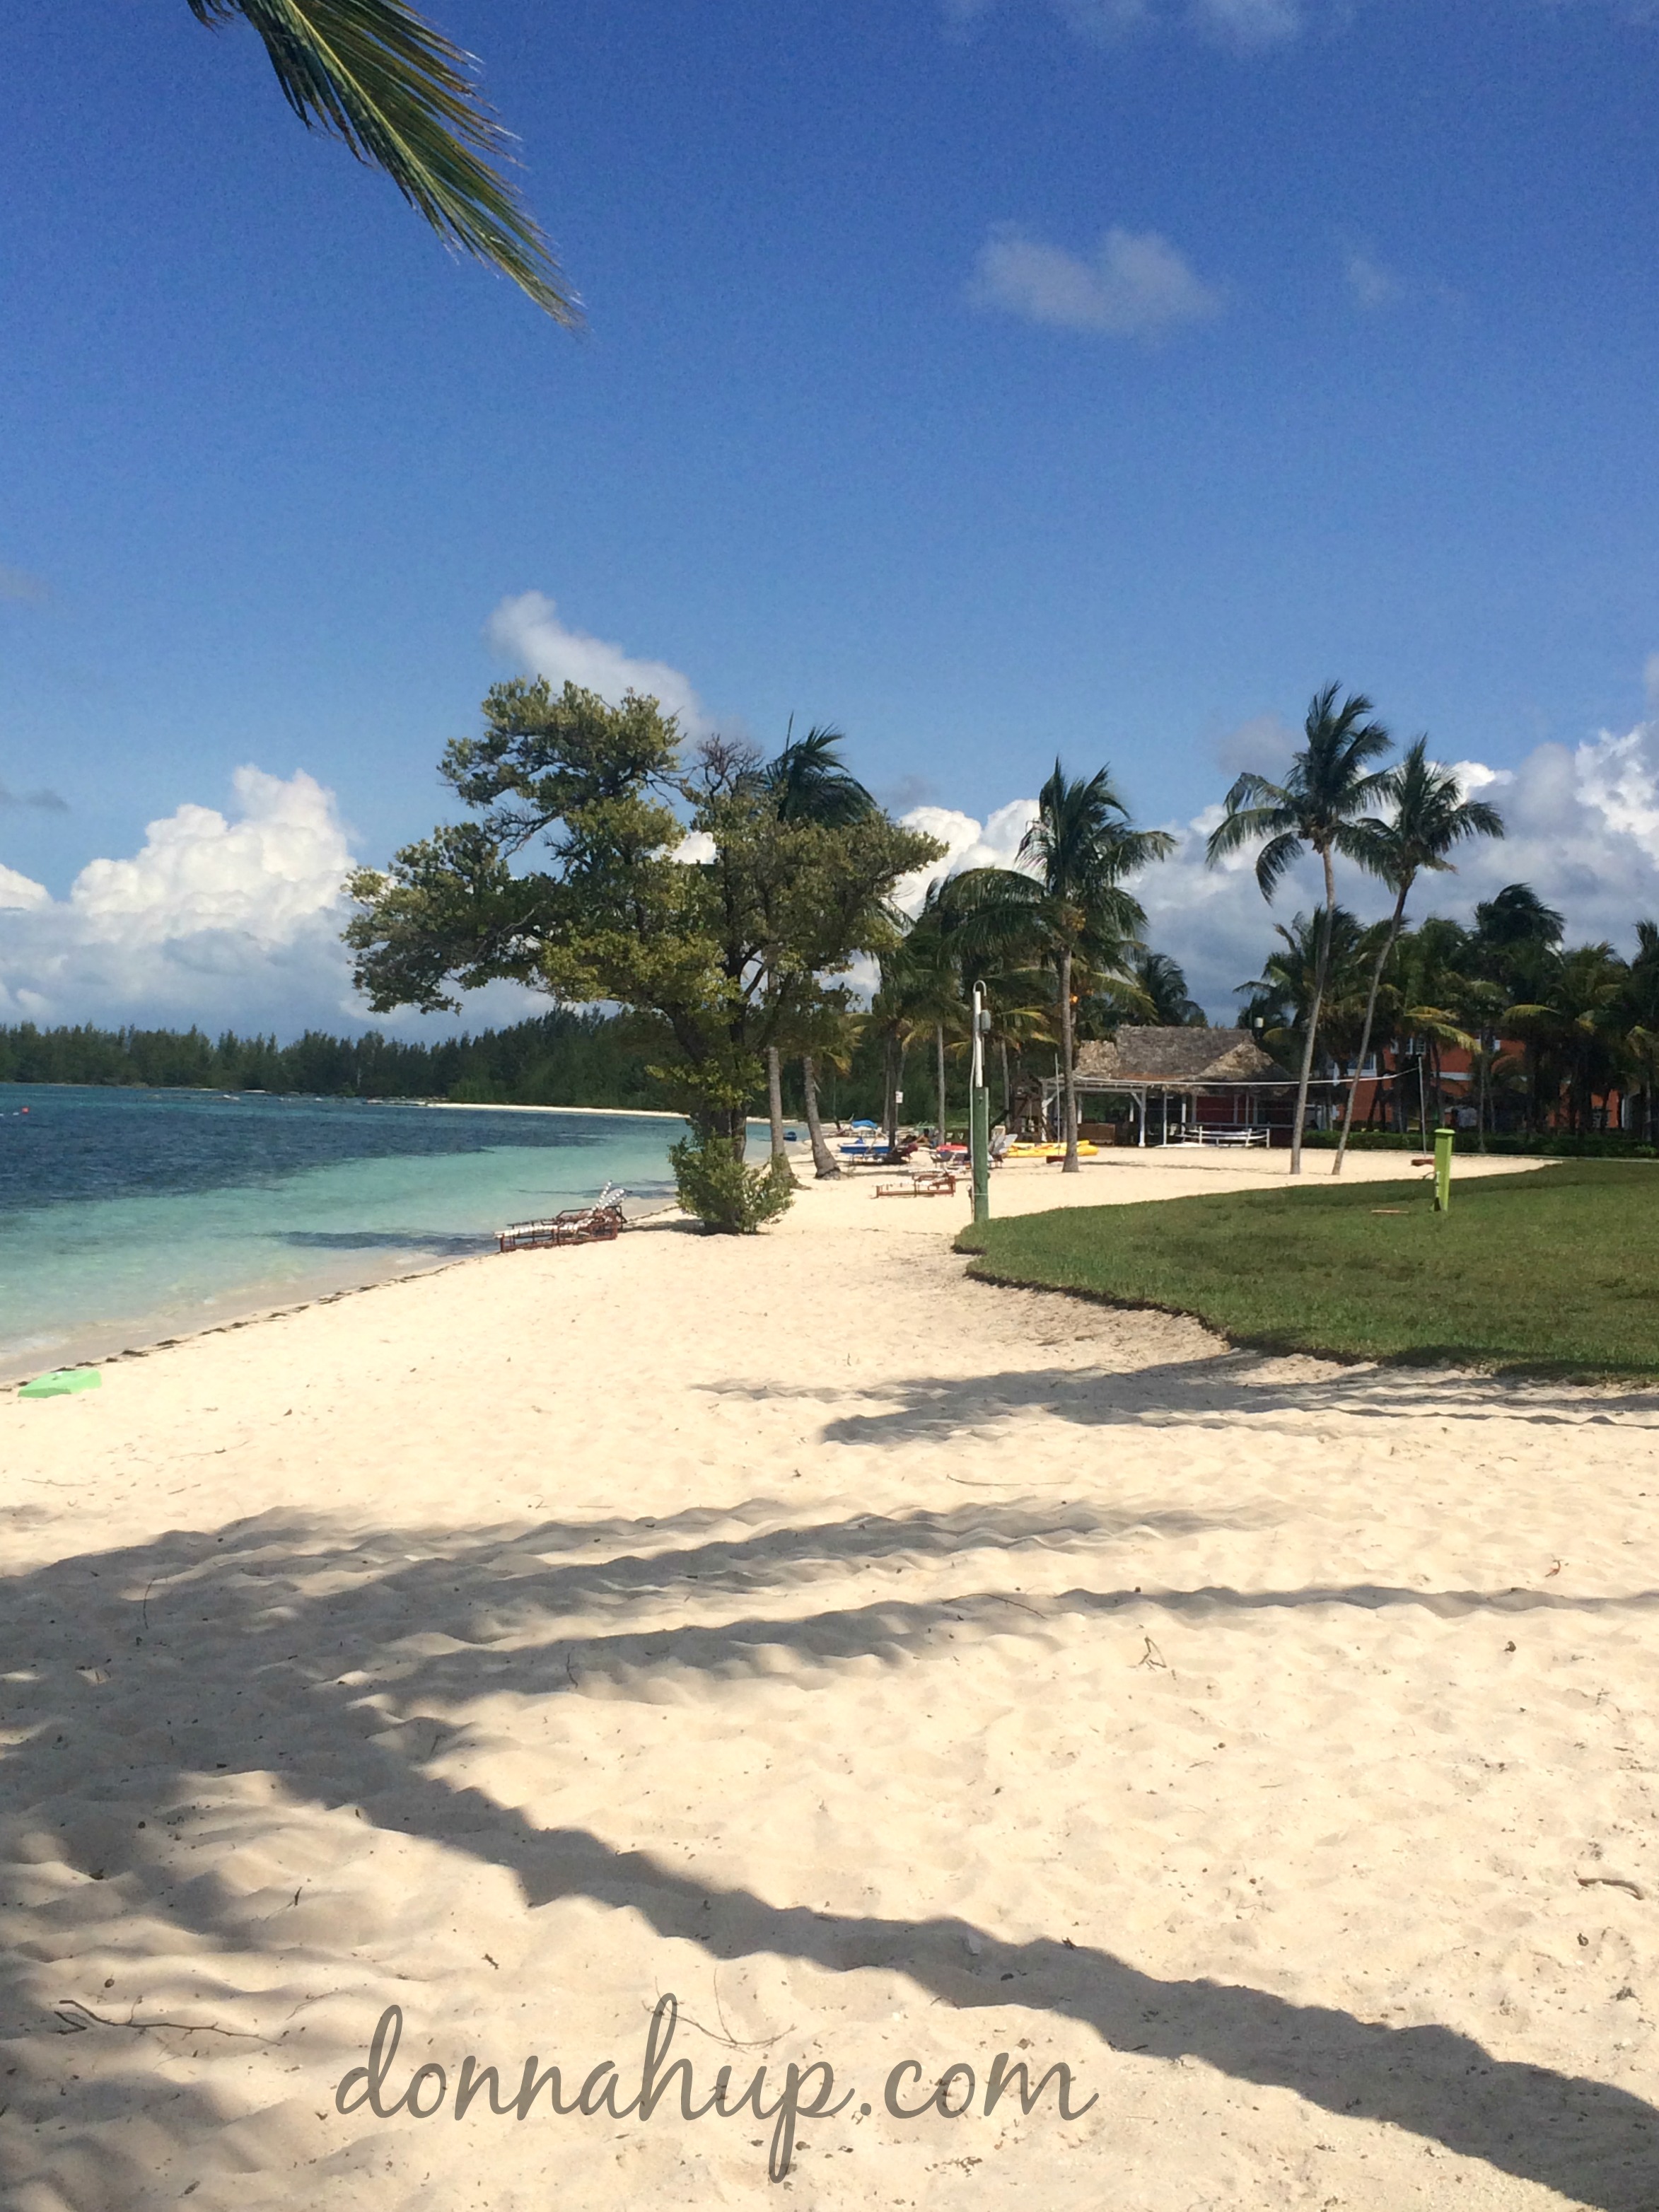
<point x="899" y="1671"/>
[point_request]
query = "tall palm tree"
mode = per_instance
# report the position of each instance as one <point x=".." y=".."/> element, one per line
<point x="377" y="75"/>
<point x="1068" y="903"/>
<point x="1430" y="815"/>
<point x="1319" y="808"/>
<point x="808" y="781"/>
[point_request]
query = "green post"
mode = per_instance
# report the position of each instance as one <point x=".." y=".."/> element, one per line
<point x="1442" y="1158"/>
<point x="979" y="1129"/>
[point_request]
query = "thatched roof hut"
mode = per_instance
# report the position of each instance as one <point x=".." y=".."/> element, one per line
<point x="1176" y="1060"/>
<point x="1204" y="1083"/>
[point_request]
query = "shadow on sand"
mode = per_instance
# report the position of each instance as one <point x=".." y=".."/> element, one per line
<point x="314" y="1616"/>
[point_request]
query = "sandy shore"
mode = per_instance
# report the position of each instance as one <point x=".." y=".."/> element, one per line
<point x="898" y="1671"/>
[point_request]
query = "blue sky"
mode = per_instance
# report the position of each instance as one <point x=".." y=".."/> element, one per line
<point x="997" y="380"/>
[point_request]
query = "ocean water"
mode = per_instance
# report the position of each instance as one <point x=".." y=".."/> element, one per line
<point x="129" y="1216"/>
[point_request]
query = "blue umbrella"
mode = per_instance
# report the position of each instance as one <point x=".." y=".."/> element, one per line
<point x="867" y="1125"/>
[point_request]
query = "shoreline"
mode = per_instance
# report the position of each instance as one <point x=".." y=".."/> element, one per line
<point x="106" y="1347"/>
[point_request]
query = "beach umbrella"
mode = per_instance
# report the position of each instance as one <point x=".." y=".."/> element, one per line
<point x="863" y="1125"/>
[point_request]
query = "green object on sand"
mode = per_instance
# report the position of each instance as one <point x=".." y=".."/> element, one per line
<point x="63" y="1384"/>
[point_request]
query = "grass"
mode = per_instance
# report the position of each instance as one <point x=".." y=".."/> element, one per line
<point x="1554" y="1272"/>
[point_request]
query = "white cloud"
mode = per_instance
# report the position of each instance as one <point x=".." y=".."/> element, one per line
<point x="227" y="920"/>
<point x="214" y="919"/>
<point x="263" y="876"/>
<point x="526" y="629"/>
<point x="993" y="843"/>
<point x="17" y="890"/>
<point x="1135" y="285"/>
<point x="1373" y="287"/>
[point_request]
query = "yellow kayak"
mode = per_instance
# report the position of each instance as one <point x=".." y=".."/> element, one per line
<point x="1087" y="1150"/>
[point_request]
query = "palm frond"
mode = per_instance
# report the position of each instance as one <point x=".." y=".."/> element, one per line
<point x="377" y="75"/>
<point x="1277" y="855"/>
<point x="1243" y="825"/>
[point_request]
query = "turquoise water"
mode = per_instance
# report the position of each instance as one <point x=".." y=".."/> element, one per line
<point x="128" y="1216"/>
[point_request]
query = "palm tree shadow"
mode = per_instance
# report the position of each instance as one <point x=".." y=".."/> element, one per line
<point x="323" y="1626"/>
<point x="1215" y="1391"/>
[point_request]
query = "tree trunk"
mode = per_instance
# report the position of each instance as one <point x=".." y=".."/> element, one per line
<point x="824" y="1160"/>
<point x="1068" y="1072"/>
<point x="939" y="1046"/>
<point x="1007" y="1093"/>
<point x="774" y="1111"/>
<point x="1314" y="1013"/>
<point x="894" y="1065"/>
<point x="1366" y="1036"/>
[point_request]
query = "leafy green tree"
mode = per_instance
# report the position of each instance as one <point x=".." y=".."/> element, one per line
<point x="399" y="95"/>
<point x="1319" y="808"/>
<point x="729" y="951"/>
<point x="1430" y="816"/>
<point x="1071" y="910"/>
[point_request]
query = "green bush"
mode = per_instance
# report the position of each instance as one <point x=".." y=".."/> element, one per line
<point x="725" y="1196"/>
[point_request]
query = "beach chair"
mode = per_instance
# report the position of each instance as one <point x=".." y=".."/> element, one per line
<point x="599" y="1224"/>
<point x="923" y="1182"/>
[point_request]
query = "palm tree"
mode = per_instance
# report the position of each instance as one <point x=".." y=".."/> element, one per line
<point x="1515" y="947"/>
<point x="1575" y="1020"/>
<point x="1164" y="986"/>
<point x="808" y="781"/>
<point x="1320" y="807"/>
<point x="377" y="75"/>
<point x="1431" y="815"/>
<point x="1278" y="1001"/>
<point x="918" y="990"/>
<point x="1072" y="909"/>
<point x="1639" y="1009"/>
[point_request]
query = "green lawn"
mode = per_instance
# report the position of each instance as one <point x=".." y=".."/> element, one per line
<point x="1554" y="1272"/>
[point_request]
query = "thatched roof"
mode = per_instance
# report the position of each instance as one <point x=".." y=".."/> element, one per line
<point x="1178" y="1057"/>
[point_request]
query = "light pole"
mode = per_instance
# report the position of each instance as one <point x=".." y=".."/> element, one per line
<point x="979" y="1113"/>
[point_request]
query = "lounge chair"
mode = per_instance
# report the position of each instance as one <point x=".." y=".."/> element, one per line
<point x="599" y="1224"/>
<point x="921" y="1182"/>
